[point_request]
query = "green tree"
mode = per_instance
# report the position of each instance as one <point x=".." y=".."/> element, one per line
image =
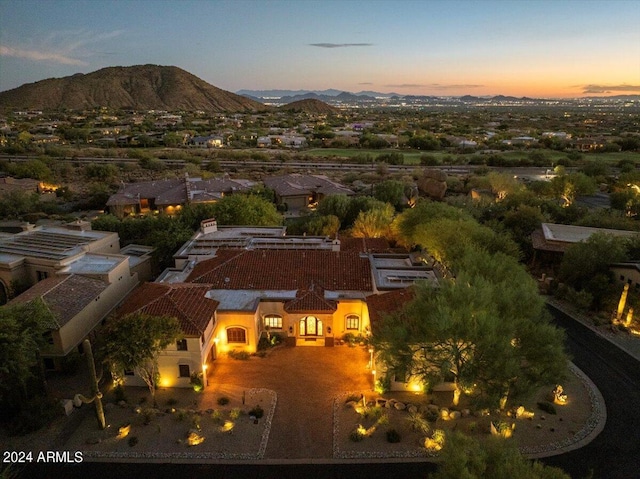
<point x="133" y="342"/>
<point x="246" y="210"/>
<point x="464" y="457"/>
<point x="392" y="192"/>
<point x="374" y="223"/>
<point x="568" y="187"/>
<point x="585" y="265"/>
<point x="484" y="331"/>
<point x="23" y="328"/>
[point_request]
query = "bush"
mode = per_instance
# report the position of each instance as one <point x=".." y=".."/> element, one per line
<point x="196" y="382"/>
<point x="36" y="413"/>
<point x="547" y="407"/>
<point x="223" y="401"/>
<point x="119" y="394"/>
<point x="393" y="436"/>
<point x="357" y="434"/>
<point x="241" y="355"/>
<point x="172" y="402"/>
<point x="235" y="413"/>
<point x="133" y="440"/>
<point x="257" y="412"/>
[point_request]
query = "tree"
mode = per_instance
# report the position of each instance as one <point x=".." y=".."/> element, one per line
<point x="374" y="223"/>
<point x="502" y="184"/>
<point x="486" y="331"/>
<point x="465" y="457"/>
<point x="392" y="192"/>
<point x="246" y="210"/>
<point x="568" y="187"/>
<point x="585" y="265"/>
<point x="22" y="336"/>
<point x="133" y="342"/>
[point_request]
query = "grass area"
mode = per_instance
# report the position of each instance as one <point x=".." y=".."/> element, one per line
<point x="412" y="157"/>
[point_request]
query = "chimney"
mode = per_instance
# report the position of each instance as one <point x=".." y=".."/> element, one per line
<point x="208" y="226"/>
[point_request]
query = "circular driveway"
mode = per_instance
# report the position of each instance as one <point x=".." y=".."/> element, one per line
<point x="306" y="380"/>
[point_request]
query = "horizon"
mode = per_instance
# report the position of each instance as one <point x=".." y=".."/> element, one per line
<point x="537" y="49"/>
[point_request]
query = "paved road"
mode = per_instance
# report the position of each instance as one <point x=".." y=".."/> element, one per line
<point x="615" y="453"/>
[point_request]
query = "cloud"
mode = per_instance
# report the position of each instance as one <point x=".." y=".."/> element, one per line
<point x="340" y="45"/>
<point x="609" y="88"/>
<point x="65" y="47"/>
<point x="39" y="56"/>
<point x="405" y="85"/>
<point x="463" y="86"/>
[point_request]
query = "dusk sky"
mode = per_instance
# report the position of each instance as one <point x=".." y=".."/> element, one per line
<point x="559" y="48"/>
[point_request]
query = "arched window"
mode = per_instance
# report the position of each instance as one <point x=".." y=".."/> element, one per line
<point x="274" y="321"/>
<point x="236" y="335"/>
<point x="352" y="321"/>
<point x="310" y="326"/>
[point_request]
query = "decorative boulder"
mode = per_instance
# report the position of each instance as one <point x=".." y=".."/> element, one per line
<point x="455" y="415"/>
<point x="67" y="405"/>
<point x="444" y="413"/>
<point x="412" y="409"/>
<point x="465" y="413"/>
<point x="400" y="406"/>
<point x="433" y="183"/>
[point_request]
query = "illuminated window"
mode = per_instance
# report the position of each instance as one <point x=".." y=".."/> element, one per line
<point x="273" y="321"/>
<point x="184" y="370"/>
<point x="353" y="322"/>
<point x="236" y="335"/>
<point x="310" y="326"/>
<point x="181" y="344"/>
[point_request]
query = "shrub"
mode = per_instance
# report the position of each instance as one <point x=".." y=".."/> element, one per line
<point x="393" y="436"/>
<point x="196" y="382"/>
<point x="547" y="407"/>
<point x="418" y="423"/>
<point x="216" y="416"/>
<point x="133" y="440"/>
<point x="241" y="355"/>
<point x="119" y="394"/>
<point x="357" y="434"/>
<point x="172" y="402"/>
<point x="36" y="413"/>
<point x="223" y="401"/>
<point x="235" y="413"/>
<point x="257" y="412"/>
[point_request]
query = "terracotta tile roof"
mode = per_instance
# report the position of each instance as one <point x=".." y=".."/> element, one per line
<point x="386" y="303"/>
<point x="186" y="302"/>
<point x="310" y="301"/>
<point x="284" y="270"/>
<point x="65" y="295"/>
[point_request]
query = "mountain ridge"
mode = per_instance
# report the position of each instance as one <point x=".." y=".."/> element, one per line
<point x="141" y="87"/>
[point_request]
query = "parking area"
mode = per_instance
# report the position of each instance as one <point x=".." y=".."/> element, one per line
<point x="306" y="380"/>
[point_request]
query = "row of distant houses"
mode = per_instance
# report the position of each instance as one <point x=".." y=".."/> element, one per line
<point x="294" y="193"/>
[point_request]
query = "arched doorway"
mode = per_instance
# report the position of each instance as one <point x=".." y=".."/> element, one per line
<point x="311" y="326"/>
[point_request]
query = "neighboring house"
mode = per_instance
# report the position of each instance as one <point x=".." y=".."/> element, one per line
<point x="81" y="275"/>
<point x="170" y="196"/>
<point x="627" y="273"/>
<point x="298" y="192"/>
<point x="552" y="240"/>
<point x="196" y="314"/>
<point x="207" y="141"/>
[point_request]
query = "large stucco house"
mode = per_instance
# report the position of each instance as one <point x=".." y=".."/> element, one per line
<point x="310" y="294"/>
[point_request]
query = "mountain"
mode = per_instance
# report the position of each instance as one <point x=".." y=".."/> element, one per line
<point x="300" y="94"/>
<point x="310" y="105"/>
<point x="141" y="87"/>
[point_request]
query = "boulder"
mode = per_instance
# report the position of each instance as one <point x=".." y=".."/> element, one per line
<point x="432" y="188"/>
<point x="400" y="406"/>
<point x="67" y="405"/>
<point x="455" y="415"/>
<point x="444" y="413"/>
<point x="412" y="409"/>
<point x="465" y="413"/>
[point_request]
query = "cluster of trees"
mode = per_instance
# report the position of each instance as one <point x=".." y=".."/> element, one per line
<point x="486" y="330"/>
<point x="24" y="405"/>
<point x="167" y="233"/>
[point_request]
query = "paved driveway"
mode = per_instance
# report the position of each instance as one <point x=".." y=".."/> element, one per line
<point x="306" y="379"/>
